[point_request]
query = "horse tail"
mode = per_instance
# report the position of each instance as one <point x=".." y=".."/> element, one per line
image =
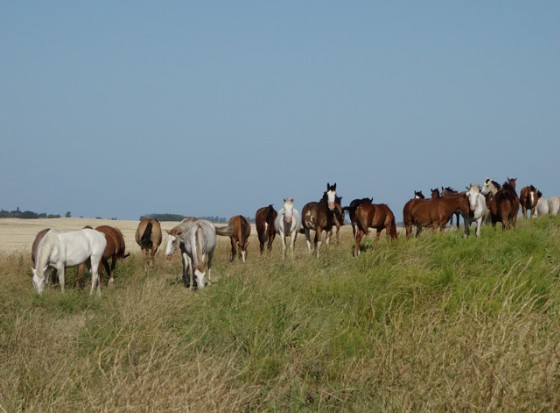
<point x="226" y="231"/>
<point x="196" y="246"/>
<point x="392" y="227"/>
<point x="146" y="239"/>
<point x="245" y="230"/>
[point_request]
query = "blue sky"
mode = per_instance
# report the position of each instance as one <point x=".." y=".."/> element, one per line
<point x="118" y="109"/>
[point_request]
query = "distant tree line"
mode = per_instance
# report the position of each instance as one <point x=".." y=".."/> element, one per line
<point x="17" y="213"/>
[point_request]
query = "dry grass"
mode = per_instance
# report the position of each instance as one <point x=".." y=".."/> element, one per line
<point x="434" y="324"/>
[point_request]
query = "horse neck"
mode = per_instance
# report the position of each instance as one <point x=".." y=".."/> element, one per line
<point x="46" y="248"/>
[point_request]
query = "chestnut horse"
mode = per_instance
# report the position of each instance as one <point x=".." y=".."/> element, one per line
<point x="434" y="213"/>
<point x="114" y="250"/>
<point x="319" y="217"/>
<point x="450" y="191"/>
<point x="528" y="199"/>
<point x="264" y="221"/>
<point x="352" y="210"/>
<point x="148" y="237"/>
<point x="378" y="216"/>
<point x="239" y="237"/>
<point x="338" y="217"/>
<point x="503" y="204"/>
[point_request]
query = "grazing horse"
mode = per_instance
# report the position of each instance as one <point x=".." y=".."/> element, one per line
<point x="503" y="203"/>
<point x="148" y="236"/>
<point x="352" y="210"/>
<point x="114" y="250"/>
<point x="264" y="221"/>
<point x="548" y="205"/>
<point x="378" y="216"/>
<point x="528" y="199"/>
<point x="287" y="223"/>
<point x="434" y="213"/>
<point x="239" y="237"/>
<point x="66" y="249"/>
<point x="35" y="248"/>
<point x="196" y="238"/>
<point x="319" y="217"/>
<point x="477" y="205"/>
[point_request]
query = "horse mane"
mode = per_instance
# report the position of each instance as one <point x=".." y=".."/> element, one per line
<point x="44" y="250"/>
<point x="448" y="189"/>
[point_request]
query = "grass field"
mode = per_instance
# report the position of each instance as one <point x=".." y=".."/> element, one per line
<point x="438" y="323"/>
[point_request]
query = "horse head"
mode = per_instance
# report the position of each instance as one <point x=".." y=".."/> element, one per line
<point x="173" y="242"/>
<point x="330" y="195"/>
<point x="288" y="210"/>
<point x="435" y="193"/>
<point x="419" y="195"/>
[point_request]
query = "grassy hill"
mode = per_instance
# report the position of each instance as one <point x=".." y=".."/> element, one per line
<point x="435" y="323"/>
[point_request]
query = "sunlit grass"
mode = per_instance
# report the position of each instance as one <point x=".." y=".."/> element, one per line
<point x="435" y="323"/>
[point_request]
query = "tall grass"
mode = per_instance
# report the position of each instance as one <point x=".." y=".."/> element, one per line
<point x="434" y="323"/>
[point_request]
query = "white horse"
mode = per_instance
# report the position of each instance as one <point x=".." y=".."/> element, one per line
<point x="66" y="249"/>
<point x="548" y="206"/>
<point x="477" y="206"/>
<point x="287" y="223"/>
<point x="196" y="238"/>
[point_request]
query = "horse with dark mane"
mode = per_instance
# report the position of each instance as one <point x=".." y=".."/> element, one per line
<point x="378" y="216"/>
<point x="148" y="237"/>
<point x="446" y="191"/>
<point x="528" y="199"/>
<point x="319" y="217"/>
<point x="264" y="222"/>
<point x="352" y="210"/>
<point x="503" y="204"/>
<point x="241" y="229"/>
<point x="419" y="195"/>
<point x="434" y="213"/>
<point x="114" y="250"/>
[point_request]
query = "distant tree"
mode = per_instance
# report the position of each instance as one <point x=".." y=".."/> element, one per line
<point x="68" y="214"/>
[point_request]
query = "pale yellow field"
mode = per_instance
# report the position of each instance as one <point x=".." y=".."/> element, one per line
<point x="17" y="235"/>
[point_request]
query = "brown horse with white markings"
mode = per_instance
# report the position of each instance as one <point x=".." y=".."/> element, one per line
<point x="148" y="237"/>
<point x="528" y="199"/>
<point x="264" y="221"/>
<point x="241" y="229"/>
<point x="434" y="212"/>
<point x="319" y="217"/>
<point x="378" y="216"/>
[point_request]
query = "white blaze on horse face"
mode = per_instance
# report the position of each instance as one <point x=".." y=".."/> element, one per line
<point x="199" y="277"/>
<point x="331" y="197"/>
<point x="288" y="210"/>
<point x="171" y="245"/>
<point x="38" y="281"/>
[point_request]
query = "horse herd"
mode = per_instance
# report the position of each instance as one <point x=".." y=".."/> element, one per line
<point x="196" y="238"/>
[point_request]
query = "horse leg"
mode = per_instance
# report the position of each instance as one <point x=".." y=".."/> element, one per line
<point x="113" y="268"/>
<point x="270" y="239"/>
<point x="358" y="237"/>
<point x="60" y="270"/>
<point x="105" y="264"/>
<point x="318" y="240"/>
<point x="308" y="239"/>
<point x="95" y="284"/>
<point x="233" y="249"/>
<point x="283" y="239"/>
<point x="186" y="270"/>
<point x="209" y="266"/>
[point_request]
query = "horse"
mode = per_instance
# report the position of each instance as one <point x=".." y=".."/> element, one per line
<point x="196" y="238"/>
<point x="378" y="216"/>
<point x="338" y="218"/>
<point x="450" y="191"/>
<point x="352" y="210"/>
<point x="148" y="237"/>
<point x="548" y="205"/>
<point x="240" y="236"/>
<point x="35" y="248"/>
<point x="478" y="207"/>
<point x="264" y="222"/>
<point x="319" y="217"/>
<point x="503" y="203"/>
<point x="528" y="199"/>
<point x="287" y="223"/>
<point x="490" y="186"/>
<point x="62" y="249"/>
<point x="434" y="213"/>
<point x="114" y="250"/>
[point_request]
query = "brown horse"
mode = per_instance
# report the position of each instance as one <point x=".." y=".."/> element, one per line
<point x="264" y="221"/>
<point x="528" y="198"/>
<point x="352" y="210"/>
<point x="148" y="237"/>
<point x="319" y="217"/>
<point x="114" y="250"/>
<point x="239" y="237"/>
<point x="504" y="204"/>
<point x="378" y="216"/>
<point x="338" y="217"/>
<point x="434" y="212"/>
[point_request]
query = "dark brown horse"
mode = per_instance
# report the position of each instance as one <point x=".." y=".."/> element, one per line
<point x="239" y="237"/>
<point x="528" y="199"/>
<point x="434" y="212"/>
<point x="504" y="204"/>
<point x="352" y="210"/>
<point x="319" y="217"/>
<point x="264" y="221"/>
<point x="338" y="217"/>
<point x="148" y="237"/>
<point x="378" y="216"/>
<point x="114" y="250"/>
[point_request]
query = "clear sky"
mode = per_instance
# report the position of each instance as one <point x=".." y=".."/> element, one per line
<point x="123" y="108"/>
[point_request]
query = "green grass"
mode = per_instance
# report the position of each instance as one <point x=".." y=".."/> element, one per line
<point x="431" y="324"/>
